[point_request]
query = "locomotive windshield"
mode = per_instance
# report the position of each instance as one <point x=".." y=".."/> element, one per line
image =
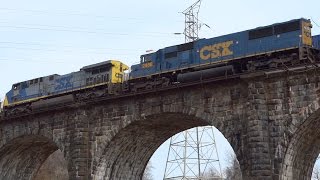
<point x="145" y="58"/>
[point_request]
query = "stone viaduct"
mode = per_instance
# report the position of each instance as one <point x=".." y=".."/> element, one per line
<point x="270" y="120"/>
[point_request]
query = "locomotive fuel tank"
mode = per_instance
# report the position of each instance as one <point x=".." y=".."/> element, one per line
<point x="205" y="74"/>
<point x="56" y="101"/>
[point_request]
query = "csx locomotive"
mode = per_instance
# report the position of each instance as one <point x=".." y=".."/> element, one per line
<point x="276" y="45"/>
<point x="58" y="89"/>
<point x="251" y="49"/>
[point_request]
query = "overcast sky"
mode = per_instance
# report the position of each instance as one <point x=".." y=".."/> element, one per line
<point x="39" y="38"/>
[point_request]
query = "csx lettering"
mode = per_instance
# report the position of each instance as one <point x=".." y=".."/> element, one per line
<point x="63" y="83"/>
<point x="216" y="50"/>
<point x="147" y="64"/>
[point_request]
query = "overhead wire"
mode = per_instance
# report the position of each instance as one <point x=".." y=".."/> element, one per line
<point x="47" y="60"/>
<point x="31" y="60"/>
<point x="112" y="18"/>
<point x="82" y="28"/>
<point x="68" y="13"/>
<point x="66" y="46"/>
<point x="59" y="28"/>
<point x="76" y="29"/>
<point x="81" y="31"/>
<point x="315" y="23"/>
<point x="55" y="50"/>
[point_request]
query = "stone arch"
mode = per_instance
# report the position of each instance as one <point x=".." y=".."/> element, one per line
<point x="21" y="157"/>
<point x="24" y="148"/>
<point x="129" y="151"/>
<point x="55" y="167"/>
<point x="302" y="150"/>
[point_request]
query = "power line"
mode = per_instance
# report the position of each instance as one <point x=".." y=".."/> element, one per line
<point x="80" y="31"/>
<point x="115" y="18"/>
<point x="31" y="60"/>
<point x="72" y="28"/>
<point x="67" y="46"/>
<point x="315" y="23"/>
<point x="55" y="50"/>
<point x="64" y="61"/>
<point x="67" y="13"/>
<point x="89" y="50"/>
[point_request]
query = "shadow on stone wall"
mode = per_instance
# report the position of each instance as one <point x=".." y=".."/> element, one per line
<point x="54" y="168"/>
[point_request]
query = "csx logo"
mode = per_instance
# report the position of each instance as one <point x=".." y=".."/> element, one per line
<point x="216" y="50"/>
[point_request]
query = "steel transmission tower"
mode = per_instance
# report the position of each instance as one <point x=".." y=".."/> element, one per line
<point x="191" y="30"/>
<point x="193" y="153"/>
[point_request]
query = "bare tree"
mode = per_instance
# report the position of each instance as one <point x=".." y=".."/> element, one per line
<point x="316" y="173"/>
<point x="147" y="172"/>
<point x="233" y="172"/>
<point x="212" y="174"/>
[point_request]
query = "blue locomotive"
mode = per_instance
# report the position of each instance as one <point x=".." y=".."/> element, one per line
<point x="242" y="49"/>
<point x="287" y="43"/>
<point x="50" y="88"/>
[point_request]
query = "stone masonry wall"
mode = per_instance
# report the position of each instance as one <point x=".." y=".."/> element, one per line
<point x="263" y="118"/>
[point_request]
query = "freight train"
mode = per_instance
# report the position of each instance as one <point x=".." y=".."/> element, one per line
<point x="281" y="44"/>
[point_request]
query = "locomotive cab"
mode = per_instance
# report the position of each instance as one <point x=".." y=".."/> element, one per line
<point x="111" y="71"/>
<point x="147" y="66"/>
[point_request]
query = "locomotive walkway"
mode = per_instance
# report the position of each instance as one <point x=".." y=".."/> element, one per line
<point x="270" y="119"/>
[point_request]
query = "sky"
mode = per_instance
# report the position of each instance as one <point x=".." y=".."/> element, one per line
<point x="39" y="38"/>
